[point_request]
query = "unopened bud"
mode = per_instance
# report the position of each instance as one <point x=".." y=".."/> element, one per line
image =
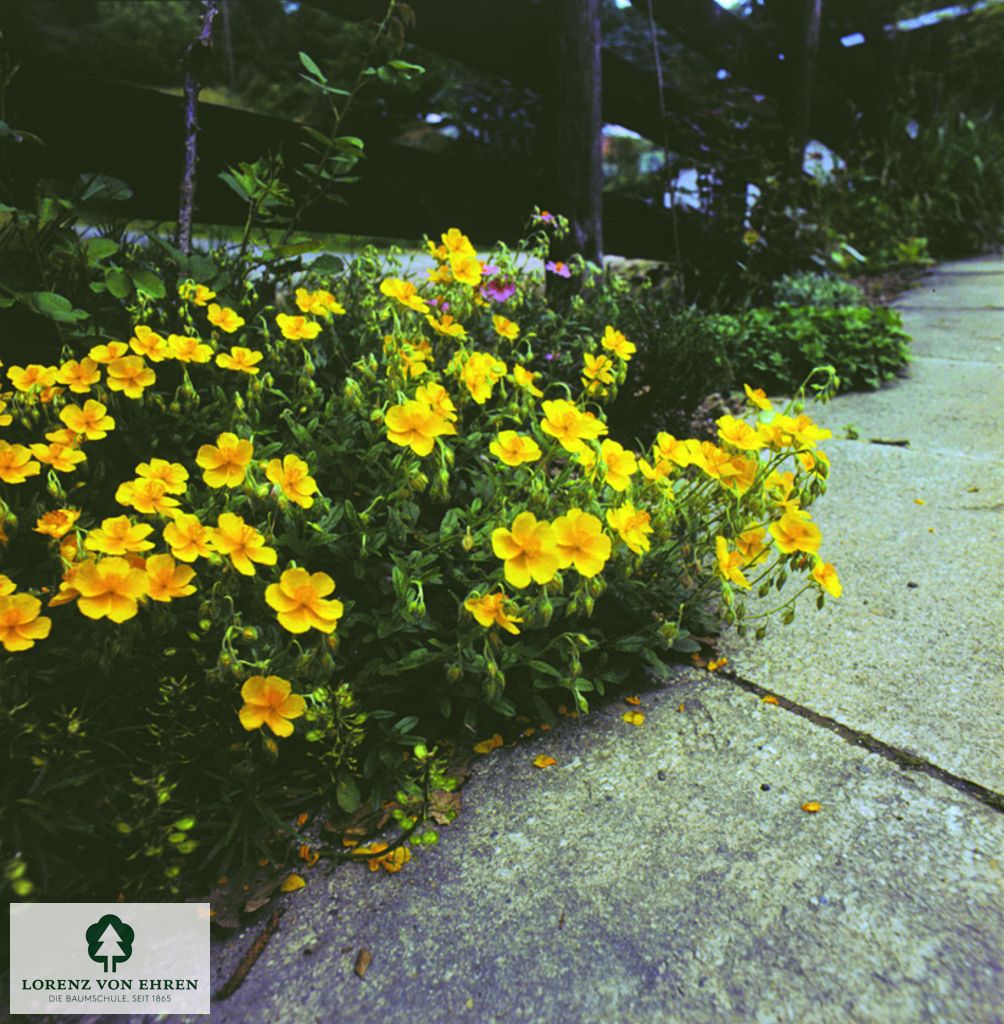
<point x="468" y="542"/>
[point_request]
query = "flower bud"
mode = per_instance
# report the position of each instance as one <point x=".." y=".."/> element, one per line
<point x="454" y="673"/>
<point x="468" y="542"/>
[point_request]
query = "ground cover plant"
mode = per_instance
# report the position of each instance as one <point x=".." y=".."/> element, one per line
<point x="260" y="556"/>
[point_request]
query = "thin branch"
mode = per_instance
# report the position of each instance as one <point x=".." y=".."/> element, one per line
<point x="194" y="60"/>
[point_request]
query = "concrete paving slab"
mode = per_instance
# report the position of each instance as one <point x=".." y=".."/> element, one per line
<point x="972" y="290"/>
<point x="976" y="265"/>
<point x="662" y="875"/>
<point x="949" y="406"/>
<point x="912" y="651"/>
<point x="973" y="334"/>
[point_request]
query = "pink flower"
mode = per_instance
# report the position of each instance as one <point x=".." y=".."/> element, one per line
<point x="498" y="289"/>
<point x="559" y="268"/>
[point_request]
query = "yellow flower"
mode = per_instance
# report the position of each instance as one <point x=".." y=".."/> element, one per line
<point x="514" y="449"/>
<point x="447" y="326"/>
<point x="739" y="434"/>
<point x="92" y="421"/>
<point x="438" y="400"/>
<point x="489" y="610"/>
<point x="751" y="544"/>
<point x="680" y="453"/>
<point x="187" y="538"/>
<point x="758" y="397"/>
<point x="581" y="542"/>
<point x="225" y="318"/>
<point x="730" y="563"/>
<point x="119" y="536"/>
<point x="16" y="463"/>
<point x="57" y="523"/>
<point x="243" y="360"/>
<point x="391" y="862"/>
<point x="405" y="293"/>
<point x="241" y="542"/>
<point x="168" y="581"/>
<point x="544" y="761"/>
<point x="292" y="476"/>
<point x="632" y="525"/>
<point x="808" y="433"/>
<point x="505" y="328"/>
<point x="455" y="241"/>
<point x="414" y="425"/>
<point x="441" y="274"/>
<point x="319" y="303"/>
<point x="794" y="532"/>
<point x="20" y="623"/>
<point x="296" y="328"/>
<point x="34" y="375"/>
<point x="63" y="458"/>
<point x="7" y="585"/>
<point x="79" y="377"/>
<point x="525" y="379"/>
<point x="529" y="550"/>
<point x="188" y="350"/>
<point x="615" y="342"/>
<point x="225" y="465"/>
<point x="299" y="599"/>
<point x="659" y="474"/>
<point x="174" y="475"/>
<point x="568" y="425"/>
<point x="490" y="744"/>
<point x="269" y="700"/>
<point x="109" y="588"/>
<point x="481" y="373"/>
<point x="5" y="417"/>
<point x="598" y="370"/>
<point x="413" y="360"/>
<point x="145" y="342"/>
<point x="826" y="576"/>
<point x="620" y="463"/>
<point x="633" y="717"/>
<point x="147" y="496"/>
<point x="466" y="268"/>
<point x="197" y="293"/>
<point x="108" y="353"/>
<point x="130" y="375"/>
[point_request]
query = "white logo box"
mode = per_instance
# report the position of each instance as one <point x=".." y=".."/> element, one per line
<point x="86" y="958"/>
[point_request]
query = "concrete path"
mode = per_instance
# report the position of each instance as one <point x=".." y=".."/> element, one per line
<point x="667" y="874"/>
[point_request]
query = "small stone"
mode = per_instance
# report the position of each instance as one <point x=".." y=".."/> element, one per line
<point x="765" y="786"/>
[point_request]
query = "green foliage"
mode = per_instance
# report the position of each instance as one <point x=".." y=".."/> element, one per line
<point x="779" y="347"/>
<point x="129" y="769"/>
<point x="822" y="290"/>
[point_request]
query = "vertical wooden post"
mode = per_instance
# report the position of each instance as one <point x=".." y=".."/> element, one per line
<point x="800" y="21"/>
<point x="572" y="125"/>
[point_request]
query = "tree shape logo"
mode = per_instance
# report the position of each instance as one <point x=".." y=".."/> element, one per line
<point x="109" y="942"/>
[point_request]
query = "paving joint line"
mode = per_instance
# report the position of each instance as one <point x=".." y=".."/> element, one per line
<point x="857" y="738"/>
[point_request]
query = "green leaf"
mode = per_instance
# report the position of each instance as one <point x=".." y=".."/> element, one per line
<point x="237" y="186"/>
<point x="312" y="67"/>
<point x="56" y="307"/>
<point x="403" y="65"/>
<point x="102" y="187"/>
<point x="347" y="795"/>
<point x="100" y="248"/>
<point x="148" y="283"/>
<point x="119" y="283"/>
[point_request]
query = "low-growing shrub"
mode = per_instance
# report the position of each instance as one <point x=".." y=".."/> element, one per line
<point x="261" y="558"/>
<point x="824" y="291"/>
<point x="866" y="345"/>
